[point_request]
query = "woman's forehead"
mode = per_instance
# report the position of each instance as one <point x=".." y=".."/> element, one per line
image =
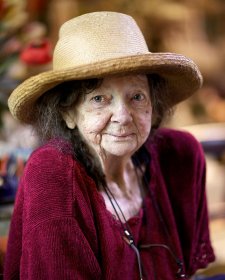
<point x="130" y="79"/>
<point x="138" y="76"/>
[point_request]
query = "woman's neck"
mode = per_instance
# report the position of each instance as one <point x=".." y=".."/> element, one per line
<point x="120" y="174"/>
<point x="123" y="183"/>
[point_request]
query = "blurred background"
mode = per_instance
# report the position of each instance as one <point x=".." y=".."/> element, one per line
<point x="195" y="28"/>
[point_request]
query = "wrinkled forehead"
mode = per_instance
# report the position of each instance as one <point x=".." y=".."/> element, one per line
<point x="128" y="80"/>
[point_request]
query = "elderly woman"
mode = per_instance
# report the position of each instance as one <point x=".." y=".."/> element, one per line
<point x="108" y="195"/>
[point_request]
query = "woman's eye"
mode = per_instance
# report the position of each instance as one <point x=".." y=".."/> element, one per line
<point x="98" y="98"/>
<point x="101" y="99"/>
<point x="138" y="97"/>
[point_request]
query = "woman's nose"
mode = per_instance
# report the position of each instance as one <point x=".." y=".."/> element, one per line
<point x="121" y="114"/>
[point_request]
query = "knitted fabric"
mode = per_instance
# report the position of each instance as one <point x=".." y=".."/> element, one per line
<point x="61" y="228"/>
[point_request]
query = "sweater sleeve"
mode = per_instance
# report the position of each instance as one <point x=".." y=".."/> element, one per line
<point x="58" y="249"/>
<point x="183" y="164"/>
<point x="53" y="243"/>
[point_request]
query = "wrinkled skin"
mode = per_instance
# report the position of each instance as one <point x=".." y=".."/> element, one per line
<point x="115" y="120"/>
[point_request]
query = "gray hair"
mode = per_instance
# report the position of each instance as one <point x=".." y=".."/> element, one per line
<point x="50" y="123"/>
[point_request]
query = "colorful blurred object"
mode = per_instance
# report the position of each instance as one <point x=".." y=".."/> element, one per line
<point x="37" y="53"/>
<point x="12" y="163"/>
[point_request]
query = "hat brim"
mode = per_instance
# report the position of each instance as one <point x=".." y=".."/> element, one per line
<point x="181" y="74"/>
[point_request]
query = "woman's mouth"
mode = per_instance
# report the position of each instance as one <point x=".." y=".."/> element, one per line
<point x="119" y="136"/>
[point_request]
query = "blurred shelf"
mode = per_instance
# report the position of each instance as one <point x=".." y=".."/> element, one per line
<point x="207" y="131"/>
<point x="210" y="135"/>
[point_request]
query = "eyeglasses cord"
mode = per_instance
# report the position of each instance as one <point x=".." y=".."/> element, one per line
<point x="129" y="238"/>
<point x="127" y="231"/>
<point x="180" y="273"/>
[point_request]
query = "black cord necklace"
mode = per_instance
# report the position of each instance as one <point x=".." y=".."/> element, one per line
<point x="180" y="272"/>
<point x="128" y="237"/>
<point x="127" y="233"/>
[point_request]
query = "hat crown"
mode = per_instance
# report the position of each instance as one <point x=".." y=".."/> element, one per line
<point x="96" y="37"/>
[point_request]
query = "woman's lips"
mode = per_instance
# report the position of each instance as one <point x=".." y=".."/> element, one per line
<point x="121" y="136"/>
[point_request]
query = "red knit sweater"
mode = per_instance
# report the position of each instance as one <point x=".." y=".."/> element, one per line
<point x="61" y="228"/>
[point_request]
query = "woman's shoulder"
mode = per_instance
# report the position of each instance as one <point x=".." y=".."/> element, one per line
<point x="175" y="142"/>
<point x="57" y="146"/>
<point x="53" y="164"/>
<point x="49" y="182"/>
<point x="49" y="163"/>
<point x="54" y="153"/>
<point x="175" y="137"/>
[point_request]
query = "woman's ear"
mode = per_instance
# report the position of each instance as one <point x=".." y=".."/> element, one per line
<point x="70" y="118"/>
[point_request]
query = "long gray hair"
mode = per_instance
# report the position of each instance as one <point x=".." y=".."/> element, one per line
<point x="50" y="123"/>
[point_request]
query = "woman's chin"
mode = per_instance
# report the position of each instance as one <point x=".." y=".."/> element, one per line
<point x="120" y="149"/>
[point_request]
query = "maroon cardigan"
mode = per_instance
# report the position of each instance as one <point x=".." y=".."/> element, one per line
<point x="61" y="228"/>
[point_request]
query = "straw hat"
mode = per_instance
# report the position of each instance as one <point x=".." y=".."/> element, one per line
<point x="100" y="44"/>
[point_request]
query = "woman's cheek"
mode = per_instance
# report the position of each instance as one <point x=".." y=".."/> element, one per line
<point x="92" y="129"/>
<point x="145" y="125"/>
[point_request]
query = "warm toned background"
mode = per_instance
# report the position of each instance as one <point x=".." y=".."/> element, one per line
<point x="195" y="28"/>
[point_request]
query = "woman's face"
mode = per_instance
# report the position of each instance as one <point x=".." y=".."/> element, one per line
<point x="115" y="118"/>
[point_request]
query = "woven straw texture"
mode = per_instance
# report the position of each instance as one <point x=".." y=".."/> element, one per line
<point x="101" y="44"/>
